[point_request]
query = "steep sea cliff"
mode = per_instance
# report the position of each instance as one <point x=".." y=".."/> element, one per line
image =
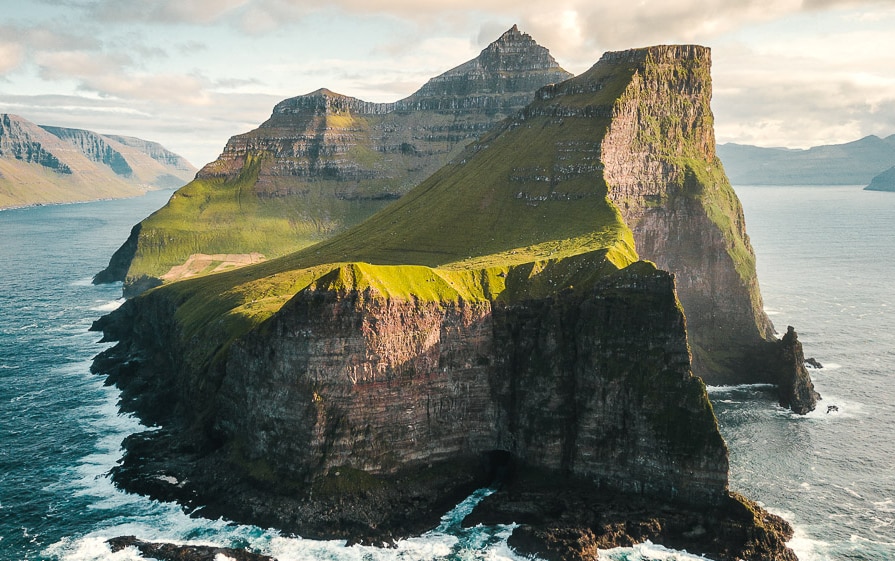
<point x="353" y="388"/>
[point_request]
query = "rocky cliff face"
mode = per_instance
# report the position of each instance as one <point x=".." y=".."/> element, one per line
<point x="157" y="152"/>
<point x="325" y="161"/>
<point x="355" y="381"/>
<point x="22" y="141"/>
<point x="84" y="165"/>
<point x="95" y="147"/>
<point x="390" y="146"/>
<point x="662" y="172"/>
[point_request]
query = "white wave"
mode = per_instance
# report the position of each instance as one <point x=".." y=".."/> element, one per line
<point x="805" y="547"/>
<point x="862" y="540"/>
<point x="887" y="505"/>
<point x="648" y="551"/>
<point x="89" y="549"/>
<point x="739" y="387"/>
<point x="108" y="306"/>
<point x="87" y="281"/>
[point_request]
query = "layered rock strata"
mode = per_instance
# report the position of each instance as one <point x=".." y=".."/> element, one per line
<point x="359" y="386"/>
<point x="662" y="172"/>
<point x="326" y="161"/>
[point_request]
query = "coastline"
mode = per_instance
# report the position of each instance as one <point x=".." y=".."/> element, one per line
<point x="79" y="202"/>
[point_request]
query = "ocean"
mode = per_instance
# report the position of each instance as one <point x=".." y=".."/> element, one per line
<point x="825" y="260"/>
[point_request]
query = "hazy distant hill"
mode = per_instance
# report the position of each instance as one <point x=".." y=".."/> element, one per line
<point x="46" y="164"/>
<point x="852" y="163"/>
<point x="883" y="182"/>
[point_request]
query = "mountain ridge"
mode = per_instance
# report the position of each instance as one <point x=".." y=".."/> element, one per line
<point x="850" y="163"/>
<point x="325" y="161"/>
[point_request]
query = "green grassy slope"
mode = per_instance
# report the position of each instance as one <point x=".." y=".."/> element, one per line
<point x="323" y="162"/>
<point x="522" y="212"/>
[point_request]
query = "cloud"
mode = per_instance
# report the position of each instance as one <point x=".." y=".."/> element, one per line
<point x="11" y="56"/>
<point x="829" y="89"/>
<point x="792" y="86"/>
<point x="165" y="11"/>
<point x="79" y="65"/>
<point x="55" y="39"/>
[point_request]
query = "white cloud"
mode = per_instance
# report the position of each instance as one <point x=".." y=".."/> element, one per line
<point x="80" y="65"/>
<point x="165" y="11"/>
<point x="798" y="91"/>
<point x="11" y="56"/>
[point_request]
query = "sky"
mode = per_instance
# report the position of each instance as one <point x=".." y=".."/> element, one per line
<point x="192" y="73"/>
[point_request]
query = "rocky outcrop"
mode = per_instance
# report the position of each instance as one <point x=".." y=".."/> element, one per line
<point x="315" y="390"/>
<point x="346" y="393"/>
<point x="561" y="520"/>
<point x="83" y="165"/>
<point x="175" y="552"/>
<point x="883" y="182"/>
<point x="324" y="161"/>
<point x="786" y="365"/>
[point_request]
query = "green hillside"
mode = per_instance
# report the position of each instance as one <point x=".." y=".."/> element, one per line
<point x="324" y="162"/>
<point x="500" y="222"/>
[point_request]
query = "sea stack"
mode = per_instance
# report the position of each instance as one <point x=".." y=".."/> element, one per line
<point x="358" y="387"/>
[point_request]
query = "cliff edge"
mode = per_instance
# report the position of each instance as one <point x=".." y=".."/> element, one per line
<point x="358" y="387"/>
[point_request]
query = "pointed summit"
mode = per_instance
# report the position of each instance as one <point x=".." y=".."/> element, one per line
<point x="514" y="63"/>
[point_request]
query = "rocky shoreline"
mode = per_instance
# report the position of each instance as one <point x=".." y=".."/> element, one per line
<point x="559" y="518"/>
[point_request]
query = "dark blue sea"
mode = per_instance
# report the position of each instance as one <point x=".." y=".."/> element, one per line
<point x="825" y="258"/>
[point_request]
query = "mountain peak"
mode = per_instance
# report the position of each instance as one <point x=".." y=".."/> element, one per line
<point x="510" y="34"/>
<point x="516" y="51"/>
<point x="512" y="64"/>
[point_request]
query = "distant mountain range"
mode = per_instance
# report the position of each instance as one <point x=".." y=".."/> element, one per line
<point x="852" y="163"/>
<point x="45" y="164"/>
